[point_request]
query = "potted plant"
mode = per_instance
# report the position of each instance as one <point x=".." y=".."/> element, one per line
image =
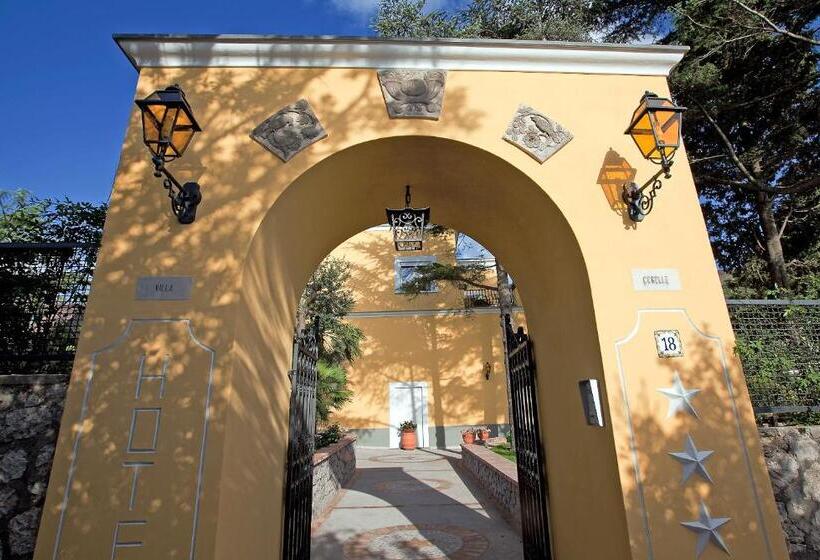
<point x="468" y="435"/>
<point x="407" y="429"/>
<point x="483" y="433"/>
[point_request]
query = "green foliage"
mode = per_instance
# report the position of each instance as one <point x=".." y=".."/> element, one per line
<point x="327" y="299"/>
<point x="328" y="436"/>
<point x="505" y="451"/>
<point x="555" y="20"/>
<point x="407" y="426"/>
<point x="408" y="18"/>
<point x="773" y="375"/>
<point x="26" y="219"/>
<point x="331" y="390"/>
<point x="750" y="280"/>
<point x="21" y="218"/>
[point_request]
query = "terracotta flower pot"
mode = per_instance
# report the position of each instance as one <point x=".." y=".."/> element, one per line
<point x="468" y="437"/>
<point x="408" y="439"/>
<point x="485" y="435"/>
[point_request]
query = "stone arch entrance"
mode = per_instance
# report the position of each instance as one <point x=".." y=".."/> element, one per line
<point x="174" y="432"/>
<point x="347" y="193"/>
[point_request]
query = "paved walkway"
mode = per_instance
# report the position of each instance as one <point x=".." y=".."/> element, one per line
<point x="412" y="505"/>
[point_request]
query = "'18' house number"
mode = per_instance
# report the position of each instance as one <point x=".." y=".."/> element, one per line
<point x="669" y="344"/>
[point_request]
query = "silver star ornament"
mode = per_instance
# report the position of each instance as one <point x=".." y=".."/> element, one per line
<point x="680" y="398"/>
<point x="692" y="460"/>
<point x="707" y="529"/>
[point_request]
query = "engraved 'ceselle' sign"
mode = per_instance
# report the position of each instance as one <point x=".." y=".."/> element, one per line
<point x="164" y="287"/>
<point x="655" y="280"/>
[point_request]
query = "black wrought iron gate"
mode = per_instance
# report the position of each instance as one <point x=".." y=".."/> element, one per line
<point x="299" y="480"/>
<point x="532" y="481"/>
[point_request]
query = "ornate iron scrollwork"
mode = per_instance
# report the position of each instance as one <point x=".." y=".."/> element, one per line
<point x="184" y="198"/>
<point x="640" y="200"/>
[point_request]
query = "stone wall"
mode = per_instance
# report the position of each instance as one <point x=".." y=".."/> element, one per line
<point x="793" y="457"/>
<point x="497" y="476"/>
<point x="333" y="467"/>
<point x="30" y="410"/>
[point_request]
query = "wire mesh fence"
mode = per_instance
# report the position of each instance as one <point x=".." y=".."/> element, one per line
<point x="779" y="344"/>
<point x="43" y="291"/>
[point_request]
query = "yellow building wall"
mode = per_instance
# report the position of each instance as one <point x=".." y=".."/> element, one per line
<point x="372" y="256"/>
<point x="264" y="226"/>
<point x="446" y="352"/>
<point x="429" y="338"/>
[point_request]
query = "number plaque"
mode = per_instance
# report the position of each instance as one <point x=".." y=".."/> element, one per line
<point x="669" y="344"/>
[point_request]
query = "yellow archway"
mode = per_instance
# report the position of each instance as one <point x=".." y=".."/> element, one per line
<point x="468" y="189"/>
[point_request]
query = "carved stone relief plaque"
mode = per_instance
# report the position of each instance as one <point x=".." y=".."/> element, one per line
<point x="290" y="130"/>
<point x="536" y="133"/>
<point x="413" y="94"/>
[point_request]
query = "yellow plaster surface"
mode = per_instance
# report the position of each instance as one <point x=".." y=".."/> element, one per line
<point x="263" y="227"/>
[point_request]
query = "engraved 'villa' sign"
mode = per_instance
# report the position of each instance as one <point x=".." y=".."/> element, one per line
<point x="168" y="288"/>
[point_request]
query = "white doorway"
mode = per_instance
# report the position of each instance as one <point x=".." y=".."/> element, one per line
<point x="408" y="401"/>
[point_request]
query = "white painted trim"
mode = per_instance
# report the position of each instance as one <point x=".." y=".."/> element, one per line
<point x="419" y="260"/>
<point x="423" y="429"/>
<point x="733" y="400"/>
<point x="75" y="451"/>
<point x="265" y="51"/>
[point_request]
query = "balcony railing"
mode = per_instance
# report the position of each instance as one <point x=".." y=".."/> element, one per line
<point x="479" y="297"/>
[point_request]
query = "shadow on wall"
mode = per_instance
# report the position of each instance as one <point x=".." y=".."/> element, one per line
<point x="668" y="500"/>
<point x="246" y="311"/>
<point x="614" y="174"/>
<point x="229" y="103"/>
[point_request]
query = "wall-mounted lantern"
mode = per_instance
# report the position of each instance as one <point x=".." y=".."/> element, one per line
<point x="168" y="125"/>
<point x="408" y="225"/>
<point x="488" y="369"/>
<point x="656" y="130"/>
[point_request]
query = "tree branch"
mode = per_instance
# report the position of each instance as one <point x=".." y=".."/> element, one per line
<point x="776" y="28"/>
<point x="757" y="187"/>
<point x="728" y="144"/>
<point x="785" y="222"/>
<point x="706" y="158"/>
<point x="797" y="188"/>
<point x="794" y="85"/>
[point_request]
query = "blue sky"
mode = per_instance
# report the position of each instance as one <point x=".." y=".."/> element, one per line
<point x="67" y="88"/>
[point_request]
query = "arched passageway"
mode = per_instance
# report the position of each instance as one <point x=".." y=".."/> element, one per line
<point x="470" y="190"/>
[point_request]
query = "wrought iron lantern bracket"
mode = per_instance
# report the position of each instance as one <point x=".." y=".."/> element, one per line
<point x="184" y="197"/>
<point x="168" y="126"/>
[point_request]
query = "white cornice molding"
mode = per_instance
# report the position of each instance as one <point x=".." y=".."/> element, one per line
<point x="262" y="51"/>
